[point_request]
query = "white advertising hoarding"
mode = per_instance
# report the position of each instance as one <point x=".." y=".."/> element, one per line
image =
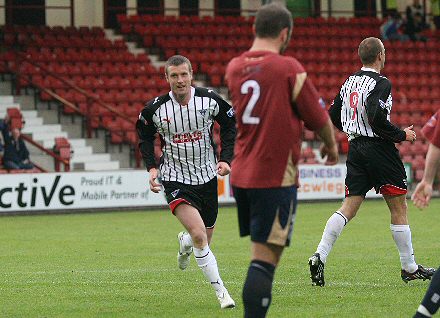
<point x="324" y="182"/>
<point x="76" y="190"/>
<point x="119" y="189"/>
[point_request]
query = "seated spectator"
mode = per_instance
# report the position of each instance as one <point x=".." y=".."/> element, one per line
<point x="414" y="27"/>
<point x="390" y="29"/>
<point x="16" y="154"/>
<point x="416" y="9"/>
<point x="415" y="21"/>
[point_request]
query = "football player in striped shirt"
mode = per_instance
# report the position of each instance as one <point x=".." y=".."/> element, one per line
<point x="184" y="120"/>
<point x="362" y="110"/>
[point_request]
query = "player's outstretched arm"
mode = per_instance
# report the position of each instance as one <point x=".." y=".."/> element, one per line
<point x="423" y="192"/>
<point x="329" y="148"/>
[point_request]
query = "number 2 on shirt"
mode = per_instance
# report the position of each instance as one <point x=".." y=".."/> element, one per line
<point x="354" y="101"/>
<point x="247" y="117"/>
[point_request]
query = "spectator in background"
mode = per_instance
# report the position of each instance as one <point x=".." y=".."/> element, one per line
<point x="421" y="197"/>
<point x="415" y="8"/>
<point x="16" y="154"/>
<point x="390" y="29"/>
<point x="415" y="21"/>
<point x="414" y="28"/>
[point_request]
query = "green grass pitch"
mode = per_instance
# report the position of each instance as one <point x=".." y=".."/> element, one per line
<point x="123" y="264"/>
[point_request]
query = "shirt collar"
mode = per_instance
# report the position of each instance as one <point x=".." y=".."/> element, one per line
<point x="368" y="69"/>
<point x="191" y="95"/>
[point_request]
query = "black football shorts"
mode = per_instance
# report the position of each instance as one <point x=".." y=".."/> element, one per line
<point x="374" y="162"/>
<point x="203" y="197"/>
<point x="268" y="214"/>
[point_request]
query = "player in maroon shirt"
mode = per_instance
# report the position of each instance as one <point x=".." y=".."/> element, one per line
<point x="421" y="197"/>
<point x="422" y="194"/>
<point x="272" y="98"/>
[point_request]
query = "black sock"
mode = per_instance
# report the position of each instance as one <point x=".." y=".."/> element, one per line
<point x="431" y="301"/>
<point x="257" y="289"/>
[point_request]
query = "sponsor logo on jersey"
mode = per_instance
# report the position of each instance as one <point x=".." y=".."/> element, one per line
<point x="155" y="100"/>
<point x="382" y="104"/>
<point x="202" y="112"/>
<point x="230" y="112"/>
<point x="187" y="137"/>
<point x="168" y="120"/>
<point x="175" y="192"/>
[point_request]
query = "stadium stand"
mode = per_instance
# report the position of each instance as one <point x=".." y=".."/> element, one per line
<point x="118" y="78"/>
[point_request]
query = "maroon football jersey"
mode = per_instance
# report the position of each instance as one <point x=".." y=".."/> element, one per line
<point x="431" y="130"/>
<point x="272" y="98"/>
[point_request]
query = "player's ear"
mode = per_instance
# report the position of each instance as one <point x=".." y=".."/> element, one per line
<point x="284" y="34"/>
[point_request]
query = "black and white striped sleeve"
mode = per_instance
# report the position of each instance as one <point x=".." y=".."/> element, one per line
<point x="146" y="131"/>
<point x="335" y="112"/>
<point x="226" y="119"/>
<point x="377" y="113"/>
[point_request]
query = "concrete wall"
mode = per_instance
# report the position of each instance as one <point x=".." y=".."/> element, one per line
<point x="89" y="13"/>
<point x="171" y="7"/>
<point x="206" y="7"/>
<point x="58" y="16"/>
<point x="2" y="13"/>
<point x="248" y="7"/>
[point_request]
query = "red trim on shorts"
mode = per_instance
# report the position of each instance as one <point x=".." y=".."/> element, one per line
<point x="173" y="204"/>
<point x="389" y="189"/>
<point x="347" y="192"/>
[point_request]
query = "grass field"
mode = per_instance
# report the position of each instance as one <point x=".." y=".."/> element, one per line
<point x="123" y="264"/>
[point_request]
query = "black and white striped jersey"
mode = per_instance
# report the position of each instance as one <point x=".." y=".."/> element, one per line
<point x="363" y="106"/>
<point x="186" y="134"/>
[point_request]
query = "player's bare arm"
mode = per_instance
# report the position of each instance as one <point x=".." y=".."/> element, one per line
<point x="329" y="148"/>
<point x="423" y="192"/>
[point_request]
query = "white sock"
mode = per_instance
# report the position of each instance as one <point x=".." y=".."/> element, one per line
<point x="402" y="237"/>
<point x="332" y="230"/>
<point x="424" y="311"/>
<point x="187" y="241"/>
<point x="208" y="264"/>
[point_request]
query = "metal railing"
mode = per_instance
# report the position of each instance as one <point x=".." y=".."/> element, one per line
<point x="57" y="158"/>
<point x="87" y="116"/>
